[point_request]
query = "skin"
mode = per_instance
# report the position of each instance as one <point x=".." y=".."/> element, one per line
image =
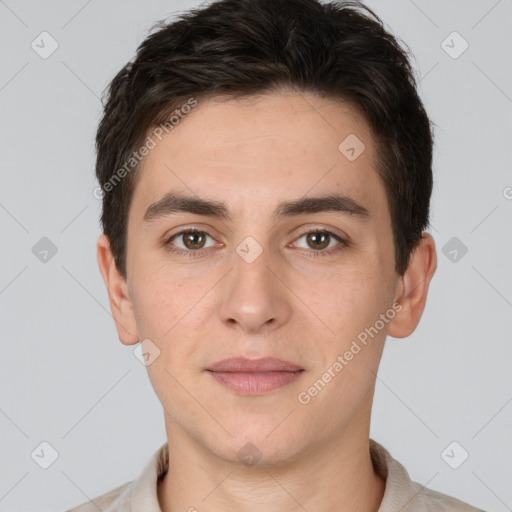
<point x="253" y="154"/>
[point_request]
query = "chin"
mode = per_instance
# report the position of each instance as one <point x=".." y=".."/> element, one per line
<point x="264" y="447"/>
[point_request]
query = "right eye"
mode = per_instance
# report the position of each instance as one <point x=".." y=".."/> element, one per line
<point x="192" y="241"/>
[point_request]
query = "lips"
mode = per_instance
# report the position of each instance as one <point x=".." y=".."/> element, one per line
<point x="264" y="364"/>
<point x="254" y="376"/>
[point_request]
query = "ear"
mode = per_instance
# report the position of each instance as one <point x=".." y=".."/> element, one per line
<point x="120" y="302"/>
<point x="413" y="288"/>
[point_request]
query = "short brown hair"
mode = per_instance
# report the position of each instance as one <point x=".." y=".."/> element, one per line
<point x="338" y="50"/>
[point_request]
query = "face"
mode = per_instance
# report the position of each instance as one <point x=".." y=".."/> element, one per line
<point x="260" y="272"/>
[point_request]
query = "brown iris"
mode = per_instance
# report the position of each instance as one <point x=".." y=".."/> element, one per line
<point x="194" y="239"/>
<point x="319" y="240"/>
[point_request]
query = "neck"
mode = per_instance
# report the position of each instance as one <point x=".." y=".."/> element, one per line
<point x="337" y="475"/>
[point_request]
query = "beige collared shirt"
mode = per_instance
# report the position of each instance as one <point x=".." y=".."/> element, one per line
<point x="401" y="494"/>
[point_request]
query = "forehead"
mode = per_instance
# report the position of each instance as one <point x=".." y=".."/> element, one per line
<point x="272" y="147"/>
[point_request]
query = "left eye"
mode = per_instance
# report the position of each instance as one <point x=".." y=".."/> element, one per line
<point x="320" y="240"/>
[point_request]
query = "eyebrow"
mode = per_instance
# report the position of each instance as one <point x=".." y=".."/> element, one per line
<point x="173" y="203"/>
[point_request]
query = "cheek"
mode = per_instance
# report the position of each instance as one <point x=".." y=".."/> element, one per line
<point x="352" y="300"/>
<point x="159" y="300"/>
<point x="353" y="313"/>
<point x="353" y="352"/>
<point x="165" y="309"/>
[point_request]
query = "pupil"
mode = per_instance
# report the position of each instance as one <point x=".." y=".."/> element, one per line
<point x="315" y="238"/>
<point x="190" y="240"/>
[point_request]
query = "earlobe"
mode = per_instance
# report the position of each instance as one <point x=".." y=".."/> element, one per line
<point x="413" y="288"/>
<point x="120" y="302"/>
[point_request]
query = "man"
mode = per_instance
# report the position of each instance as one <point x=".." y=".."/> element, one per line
<point x="265" y="169"/>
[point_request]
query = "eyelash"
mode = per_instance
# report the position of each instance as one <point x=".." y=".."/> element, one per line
<point x="313" y="254"/>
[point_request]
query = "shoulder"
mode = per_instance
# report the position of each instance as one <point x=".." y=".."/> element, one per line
<point x="401" y="493"/>
<point x="139" y="494"/>
<point x="433" y="501"/>
<point x="116" y="500"/>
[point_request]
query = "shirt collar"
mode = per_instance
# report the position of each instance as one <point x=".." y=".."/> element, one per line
<point x="144" y="491"/>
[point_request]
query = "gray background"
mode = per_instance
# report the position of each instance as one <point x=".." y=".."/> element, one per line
<point x="65" y="377"/>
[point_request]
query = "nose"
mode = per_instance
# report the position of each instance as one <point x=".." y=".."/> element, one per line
<point x="254" y="298"/>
